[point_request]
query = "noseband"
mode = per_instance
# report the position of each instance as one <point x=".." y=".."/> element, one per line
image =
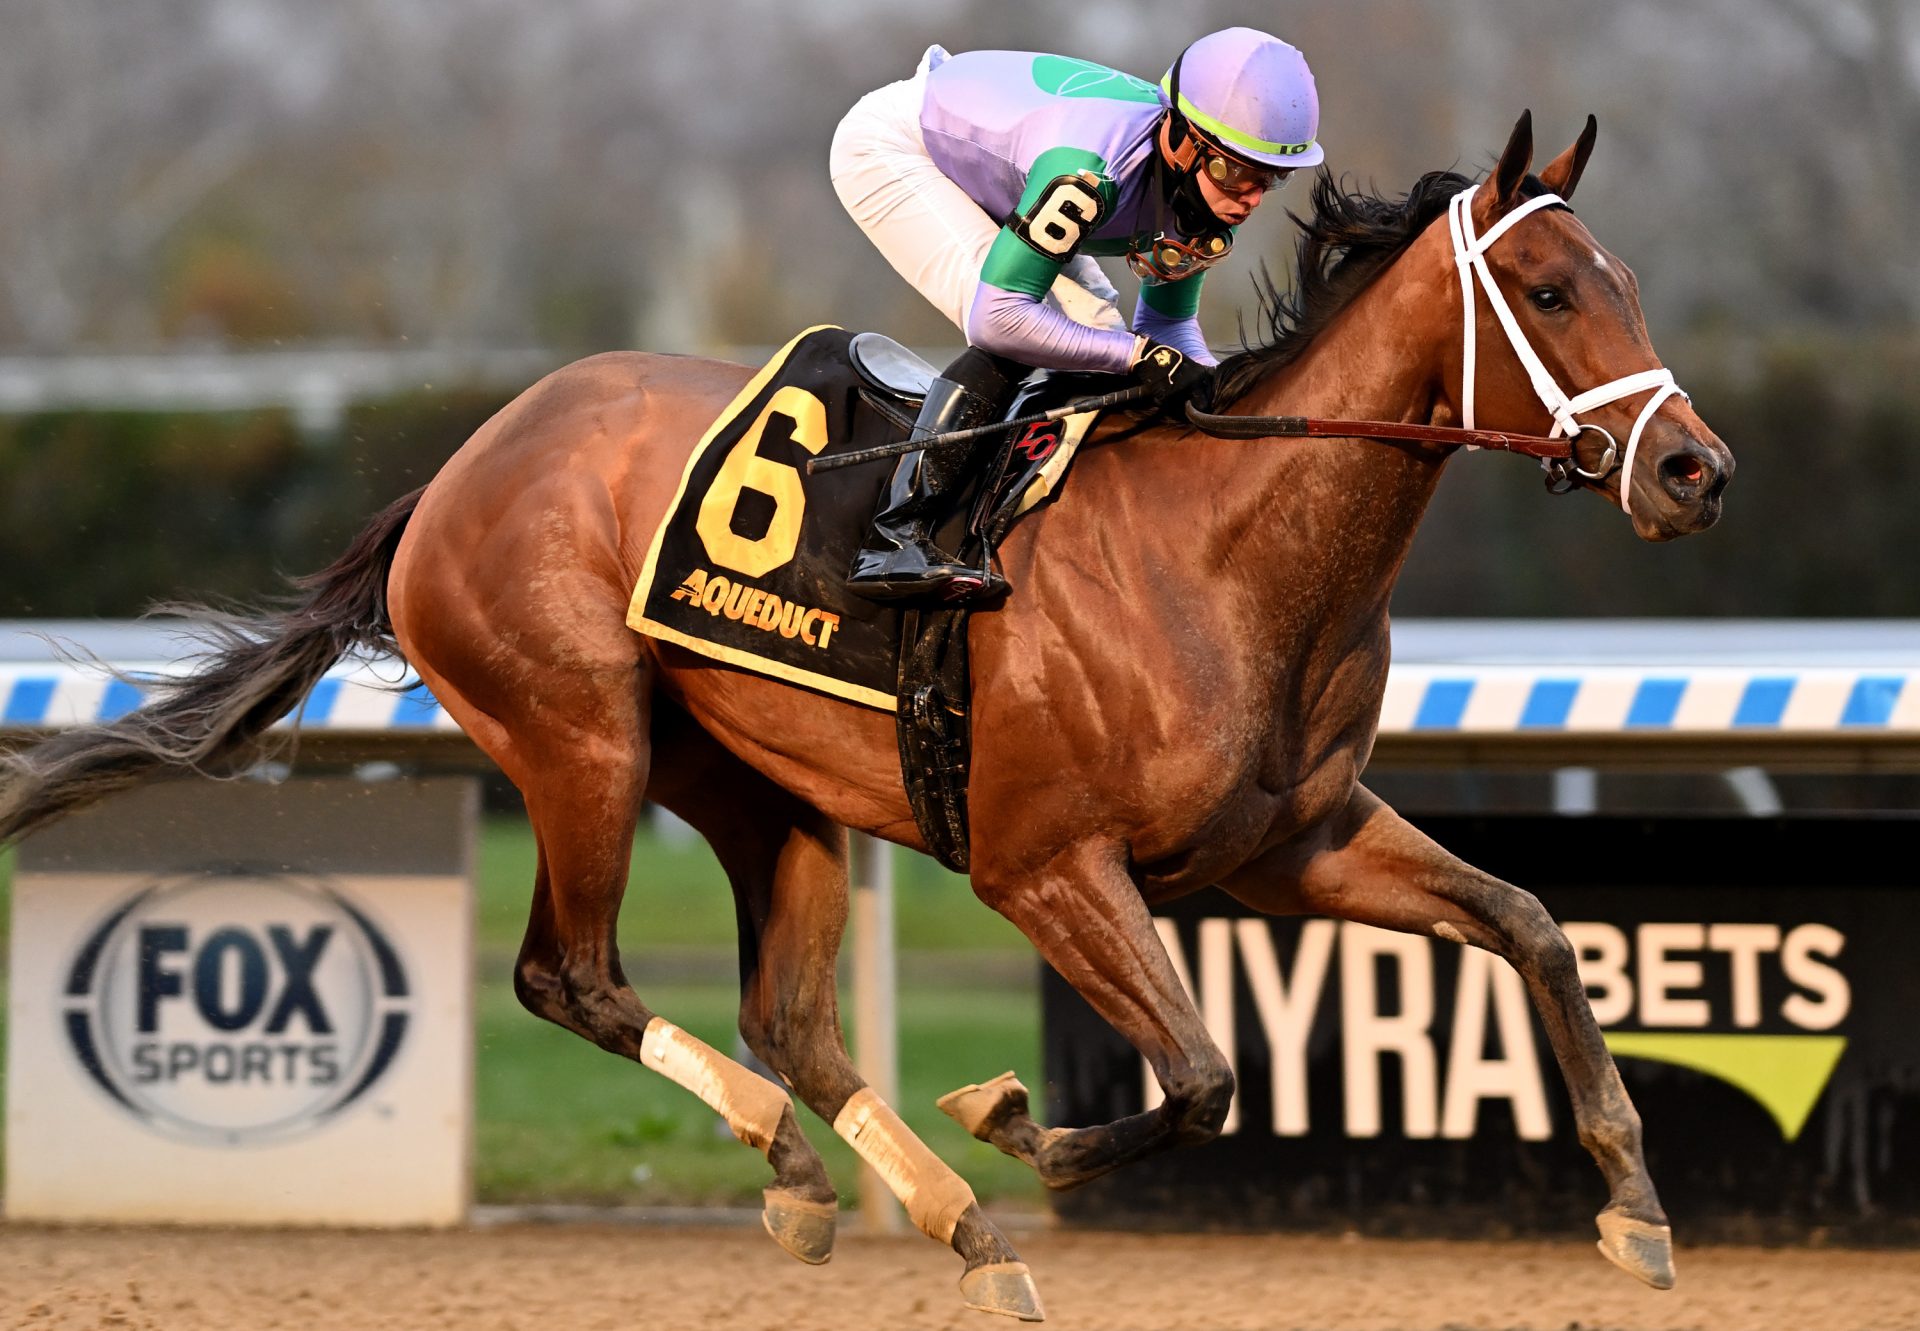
<point x="1469" y="256"/>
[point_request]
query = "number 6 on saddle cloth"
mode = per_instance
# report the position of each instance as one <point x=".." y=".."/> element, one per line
<point x="748" y="566"/>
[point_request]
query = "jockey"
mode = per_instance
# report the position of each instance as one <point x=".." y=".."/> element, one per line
<point x="989" y="179"/>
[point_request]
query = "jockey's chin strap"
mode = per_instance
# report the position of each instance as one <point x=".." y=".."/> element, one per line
<point x="1469" y="256"/>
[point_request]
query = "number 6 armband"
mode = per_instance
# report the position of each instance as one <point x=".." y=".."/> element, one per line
<point x="1066" y="210"/>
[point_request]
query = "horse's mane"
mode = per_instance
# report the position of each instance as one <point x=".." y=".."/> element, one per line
<point x="1346" y="243"/>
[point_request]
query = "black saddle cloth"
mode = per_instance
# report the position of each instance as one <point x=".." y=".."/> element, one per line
<point x="749" y="566"/>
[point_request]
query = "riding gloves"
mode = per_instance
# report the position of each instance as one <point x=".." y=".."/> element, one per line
<point x="1172" y="376"/>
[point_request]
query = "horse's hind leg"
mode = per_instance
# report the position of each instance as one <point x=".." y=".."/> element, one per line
<point x="575" y="741"/>
<point x="585" y="990"/>
<point x="788" y="866"/>
<point x="1378" y="869"/>
<point x="697" y="779"/>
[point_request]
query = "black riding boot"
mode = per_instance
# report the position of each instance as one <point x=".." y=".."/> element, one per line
<point x="900" y="561"/>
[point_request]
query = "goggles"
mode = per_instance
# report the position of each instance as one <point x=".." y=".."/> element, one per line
<point x="1165" y="258"/>
<point x="1233" y="175"/>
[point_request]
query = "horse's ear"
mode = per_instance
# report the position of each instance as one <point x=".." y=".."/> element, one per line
<point x="1563" y="172"/>
<point x="1513" y="163"/>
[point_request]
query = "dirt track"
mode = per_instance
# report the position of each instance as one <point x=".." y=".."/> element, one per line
<point x="582" y="1278"/>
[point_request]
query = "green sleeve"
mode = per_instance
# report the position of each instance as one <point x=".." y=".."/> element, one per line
<point x="1174" y="300"/>
<point x="1017" y="263"/>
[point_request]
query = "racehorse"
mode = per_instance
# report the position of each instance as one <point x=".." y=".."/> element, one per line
<point x="1183" y="692"/>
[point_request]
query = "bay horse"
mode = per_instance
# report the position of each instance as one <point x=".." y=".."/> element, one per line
<point x="1182" y="692"/>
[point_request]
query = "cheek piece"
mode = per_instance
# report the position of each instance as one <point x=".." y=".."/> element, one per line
<point x="1469" y="257"/>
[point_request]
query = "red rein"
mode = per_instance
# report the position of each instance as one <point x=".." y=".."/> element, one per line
<point x="1283" y="427"/>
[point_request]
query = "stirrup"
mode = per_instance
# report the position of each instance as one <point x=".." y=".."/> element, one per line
<point x="906" y="574"/>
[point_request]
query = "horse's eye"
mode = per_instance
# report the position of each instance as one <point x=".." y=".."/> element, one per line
<point x="1547" y="298"/>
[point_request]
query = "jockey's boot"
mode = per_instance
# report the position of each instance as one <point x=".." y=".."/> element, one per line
<point x="900" y="561"/>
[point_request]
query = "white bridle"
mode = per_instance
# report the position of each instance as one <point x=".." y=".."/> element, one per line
<point x="1469" y="256"/>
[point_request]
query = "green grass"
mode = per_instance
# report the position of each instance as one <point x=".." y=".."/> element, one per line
<point x="558" y="1119"/>
<point x="678" y="897"/>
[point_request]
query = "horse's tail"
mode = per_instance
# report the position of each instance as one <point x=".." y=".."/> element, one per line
<point x="214" y="721"/>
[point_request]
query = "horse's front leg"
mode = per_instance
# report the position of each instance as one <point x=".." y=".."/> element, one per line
<point x="1084" y="913"/>
<point x="1373" y="867"/>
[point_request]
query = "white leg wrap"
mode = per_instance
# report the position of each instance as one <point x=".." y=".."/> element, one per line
<point x="750" y="1104"/>
<point x="935" y="1196"/>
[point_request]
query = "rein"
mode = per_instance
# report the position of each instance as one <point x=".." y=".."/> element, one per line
<point x="1296" y="427"/>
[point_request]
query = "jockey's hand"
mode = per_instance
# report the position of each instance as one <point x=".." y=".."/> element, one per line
<point x="1173" y="377"/>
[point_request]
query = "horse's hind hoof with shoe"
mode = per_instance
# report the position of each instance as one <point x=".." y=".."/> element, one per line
<point x="801" y="1225"/>
<point x="1006" y="1288"/>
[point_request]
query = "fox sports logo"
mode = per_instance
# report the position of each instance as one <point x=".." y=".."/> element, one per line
<point x="232" y="1009"/>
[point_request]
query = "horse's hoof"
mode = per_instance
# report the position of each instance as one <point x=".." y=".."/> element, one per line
<point x="981" y="1108"/>
<point x="1641" y="1249"/>
<point x="803" y="1227"/>
<point x="1006" y="1288"/>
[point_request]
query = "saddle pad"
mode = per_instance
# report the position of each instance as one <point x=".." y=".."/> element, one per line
<point x="749" y="566"/>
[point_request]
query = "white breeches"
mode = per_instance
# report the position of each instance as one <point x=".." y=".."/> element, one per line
<point x="929" y="230"/>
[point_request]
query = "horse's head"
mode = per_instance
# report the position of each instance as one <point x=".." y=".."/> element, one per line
<point x="1555" y="340"/>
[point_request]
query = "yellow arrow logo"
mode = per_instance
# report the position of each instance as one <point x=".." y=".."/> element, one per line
<point x="1785" y="1073"/>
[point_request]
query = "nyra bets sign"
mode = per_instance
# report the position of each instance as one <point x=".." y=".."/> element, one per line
<point x="237" y="1002"/>
<point x="1755" y="988"/>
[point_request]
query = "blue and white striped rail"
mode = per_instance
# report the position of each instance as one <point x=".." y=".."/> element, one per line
<point x="1421" y="699"/>
<point x="354" y="701"/>
<point x="1732" y="679"/>
<point x="1513" y="679"/>
<point x="1683" y="700"/>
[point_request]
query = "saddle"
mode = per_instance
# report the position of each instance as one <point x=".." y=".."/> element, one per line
<point x="749" y="565"/>
<point x="1027" y="467"/>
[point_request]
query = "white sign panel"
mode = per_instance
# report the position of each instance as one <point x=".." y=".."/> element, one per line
<point x="244" y="1040"/>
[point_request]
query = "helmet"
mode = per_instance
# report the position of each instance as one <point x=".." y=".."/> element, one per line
<point x="1251" y="93"/>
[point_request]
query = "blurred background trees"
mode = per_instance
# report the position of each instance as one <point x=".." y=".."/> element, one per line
<point x="576" y="175"/>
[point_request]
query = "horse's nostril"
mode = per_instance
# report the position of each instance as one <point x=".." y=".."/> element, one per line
<point x="1683" y="469"/>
